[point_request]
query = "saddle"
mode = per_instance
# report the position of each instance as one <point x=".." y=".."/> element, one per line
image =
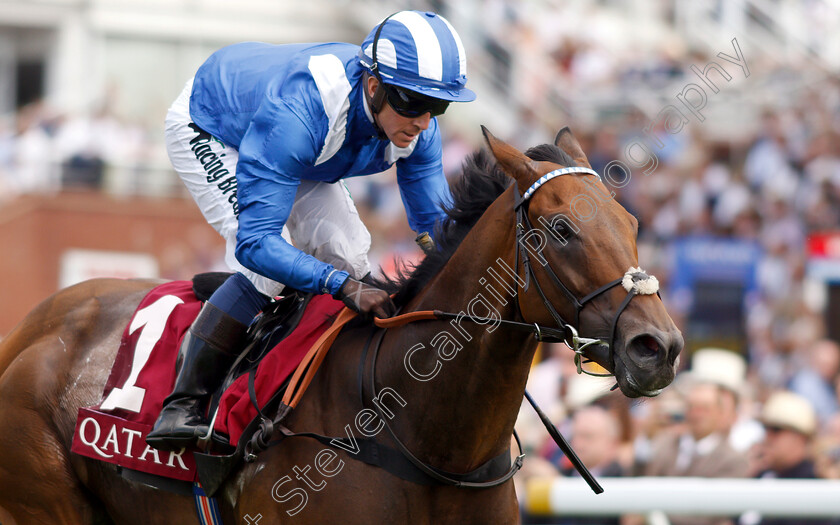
<point x="267" y="378"/>
<point x="143" y="374"/>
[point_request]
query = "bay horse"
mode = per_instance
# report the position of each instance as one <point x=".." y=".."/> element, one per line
<point x="454" y="387"/>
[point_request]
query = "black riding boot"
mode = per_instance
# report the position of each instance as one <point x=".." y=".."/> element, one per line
<point x="209" y="351"/>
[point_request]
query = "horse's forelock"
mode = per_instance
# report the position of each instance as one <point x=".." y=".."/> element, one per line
<point x="550" y="153"/>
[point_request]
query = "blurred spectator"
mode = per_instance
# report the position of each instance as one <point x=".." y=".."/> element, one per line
<point x="815" y="380"/>
<point x="767" y="164"/>
<point x="33" y="168"/>
<point x="728" y="370"/>
<point x="660" y="416"/>
<point x="701" y="450"/>
<point x="596" y="437"/>
<point x="827" y="449"/>
<point x="790" y="424"/>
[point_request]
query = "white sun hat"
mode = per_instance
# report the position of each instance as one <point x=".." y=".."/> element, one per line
<point x="720" y="367"/>
<point x="784" y="409"/>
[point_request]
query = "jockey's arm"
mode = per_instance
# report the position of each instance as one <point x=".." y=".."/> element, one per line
<point x="266" y="188"/>
<point x="423" y="186"/>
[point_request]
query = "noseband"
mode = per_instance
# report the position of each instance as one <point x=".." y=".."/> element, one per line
<point x="634" y="281"/>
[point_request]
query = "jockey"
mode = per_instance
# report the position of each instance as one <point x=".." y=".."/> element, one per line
<point x="263" y="135"/>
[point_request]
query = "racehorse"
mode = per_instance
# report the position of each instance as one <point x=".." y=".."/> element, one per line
<point x="450" y="389"/>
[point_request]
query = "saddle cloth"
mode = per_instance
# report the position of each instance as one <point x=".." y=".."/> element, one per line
<point x="144" y="373"/>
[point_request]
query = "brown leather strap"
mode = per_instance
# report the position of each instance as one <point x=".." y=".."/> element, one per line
<point x="399" y="320"/>
<point x="312" y="361"/>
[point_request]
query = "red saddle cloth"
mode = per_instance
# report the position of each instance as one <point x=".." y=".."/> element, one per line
<point x="144" y="373"/>
<point x="235" y="407"/>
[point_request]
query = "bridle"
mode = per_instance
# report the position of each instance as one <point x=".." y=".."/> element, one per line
<point x="634" y="281"/>
<point x="405" y="464"/>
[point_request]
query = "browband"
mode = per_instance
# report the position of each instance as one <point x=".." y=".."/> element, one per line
<point x="556" y="173"/>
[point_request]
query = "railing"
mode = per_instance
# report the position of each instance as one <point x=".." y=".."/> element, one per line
<point x="684" y="496"/>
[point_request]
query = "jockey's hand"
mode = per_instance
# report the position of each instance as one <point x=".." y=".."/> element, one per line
<point x="365" y="299"/>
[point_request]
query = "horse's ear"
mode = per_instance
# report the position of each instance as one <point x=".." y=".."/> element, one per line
<point x="566" y="141"/>
<point x="512" y="161"/>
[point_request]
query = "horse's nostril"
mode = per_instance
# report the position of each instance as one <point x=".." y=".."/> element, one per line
<point x="646" y="346"/>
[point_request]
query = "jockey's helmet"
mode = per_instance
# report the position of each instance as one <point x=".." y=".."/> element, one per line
<point x="419" y="61"/>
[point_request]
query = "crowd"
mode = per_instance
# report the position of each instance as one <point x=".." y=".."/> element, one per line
<point x="769" y="406"/>
<point x="43" y="151"/>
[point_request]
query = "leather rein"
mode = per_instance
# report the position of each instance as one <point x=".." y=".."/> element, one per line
<point x="565" y="332"/>
<point x="635" y="281"/>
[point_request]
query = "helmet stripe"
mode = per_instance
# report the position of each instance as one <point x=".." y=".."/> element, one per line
<point x="462" y="55"/>
<point x="426" y="44"/>
<point x="386" y="54"/>
<point x="421" y="52"/>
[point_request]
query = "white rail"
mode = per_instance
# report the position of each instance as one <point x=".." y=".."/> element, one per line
<point x="686" y="496"/>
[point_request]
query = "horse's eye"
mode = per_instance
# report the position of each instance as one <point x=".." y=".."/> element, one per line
<point x="560" y="228"/>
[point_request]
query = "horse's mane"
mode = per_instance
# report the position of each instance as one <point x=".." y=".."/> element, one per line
<point x="479" y="185"/>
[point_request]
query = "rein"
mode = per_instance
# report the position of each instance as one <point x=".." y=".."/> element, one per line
<point x="435" y="473"/>
<point x="634" y="281"/>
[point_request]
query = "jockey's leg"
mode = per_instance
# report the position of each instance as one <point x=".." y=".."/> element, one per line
<point x="325" y="224"/>
<point x="207" y="167"/>
<point x="209" y="349"/>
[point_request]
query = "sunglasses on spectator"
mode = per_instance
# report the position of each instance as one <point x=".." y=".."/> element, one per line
<point x="411" y="105"/>
<point x="774" y="429"/>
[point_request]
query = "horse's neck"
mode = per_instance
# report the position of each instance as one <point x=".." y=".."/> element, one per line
<point x="465" y="412"/>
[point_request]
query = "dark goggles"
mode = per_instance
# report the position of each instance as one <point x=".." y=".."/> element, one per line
<point x="411" y="105"/>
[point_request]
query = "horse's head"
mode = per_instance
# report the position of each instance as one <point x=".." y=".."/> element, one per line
<point x="580" y="244"/>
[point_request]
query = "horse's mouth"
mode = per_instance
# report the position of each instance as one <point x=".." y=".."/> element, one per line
<point x="627" y="375"/>
<point x="631" y="386"/>
<point x="646" y="362"/>
<point x="633" y="389"/>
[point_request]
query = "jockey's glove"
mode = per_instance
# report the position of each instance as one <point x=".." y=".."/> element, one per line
<point x="365" y="299"/>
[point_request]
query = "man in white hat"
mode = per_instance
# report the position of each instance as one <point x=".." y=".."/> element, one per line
<point x="728" y="370"/>
<point x="701" y="450"/>
<point x="790" y="423"/>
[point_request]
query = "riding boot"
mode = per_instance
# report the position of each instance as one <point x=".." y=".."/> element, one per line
<point x="208" y="351"/>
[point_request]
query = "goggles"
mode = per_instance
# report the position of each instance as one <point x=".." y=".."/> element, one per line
<point x="411" y="105"/>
